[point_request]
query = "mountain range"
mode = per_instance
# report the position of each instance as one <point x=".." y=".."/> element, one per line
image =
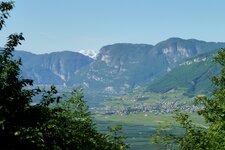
<point x="123" y="67"/>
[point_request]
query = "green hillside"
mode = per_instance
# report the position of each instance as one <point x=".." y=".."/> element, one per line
<point x="176" y="89"/>
<point x="193" y="75"/>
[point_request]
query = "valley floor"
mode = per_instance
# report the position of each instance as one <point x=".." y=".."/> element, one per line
<point x="139" y="128"/>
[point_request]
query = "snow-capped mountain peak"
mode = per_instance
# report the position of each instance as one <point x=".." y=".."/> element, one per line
<point x="89" y="53"/>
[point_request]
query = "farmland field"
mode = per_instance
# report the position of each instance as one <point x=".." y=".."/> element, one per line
<point x="138" y="128"/>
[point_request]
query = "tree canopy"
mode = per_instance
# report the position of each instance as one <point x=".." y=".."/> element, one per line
<point x="55" y="122"/>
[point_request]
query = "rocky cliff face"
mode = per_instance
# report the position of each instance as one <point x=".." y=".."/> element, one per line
<point x="54" y="68"/>
<point x="176" y="49"/>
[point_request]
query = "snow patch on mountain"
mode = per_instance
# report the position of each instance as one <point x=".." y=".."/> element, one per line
<point x="89" y="53"/>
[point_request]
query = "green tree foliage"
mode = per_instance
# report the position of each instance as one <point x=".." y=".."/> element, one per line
<point x="55" y="122"/>
<point x="196" y="137"/>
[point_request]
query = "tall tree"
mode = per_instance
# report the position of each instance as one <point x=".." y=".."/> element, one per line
<point x="55" y="122"/>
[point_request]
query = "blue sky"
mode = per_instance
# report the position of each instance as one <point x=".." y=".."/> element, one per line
<point x="56" y="25"/>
